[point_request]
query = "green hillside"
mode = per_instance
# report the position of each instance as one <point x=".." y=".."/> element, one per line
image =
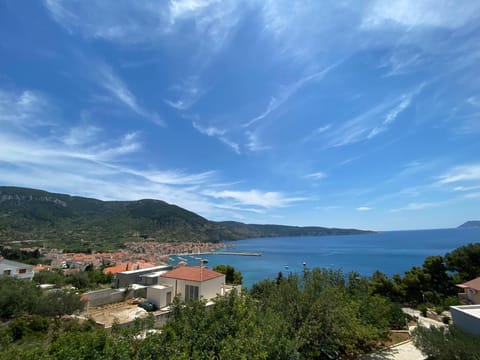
<point x="82" y="223"/>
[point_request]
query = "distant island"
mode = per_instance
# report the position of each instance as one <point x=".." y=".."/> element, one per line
<point x="470" y="224"/>
<point x="81" y="223"/>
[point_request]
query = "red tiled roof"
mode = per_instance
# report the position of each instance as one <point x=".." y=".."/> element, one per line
<point x="472" y="284"/>
<point x="192" y="273"/>
<point x="125" y="267"/>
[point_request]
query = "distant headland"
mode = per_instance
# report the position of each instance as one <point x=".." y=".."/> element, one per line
<point x="470" y="224"/>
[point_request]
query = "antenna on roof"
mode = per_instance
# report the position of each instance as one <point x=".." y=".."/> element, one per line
<point x="202" y="261"/>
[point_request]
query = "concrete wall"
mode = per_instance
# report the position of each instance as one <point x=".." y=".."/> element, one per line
<point x="473" y="296"/>
<point x="106" y="296"/>
<point x="467" y="317"/>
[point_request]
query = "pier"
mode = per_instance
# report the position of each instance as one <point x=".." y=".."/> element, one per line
<point x="220" y="253"/>
<point x="235" y="253"/>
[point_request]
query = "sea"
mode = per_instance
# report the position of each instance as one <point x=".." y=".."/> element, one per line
<point x="391" y="252"/>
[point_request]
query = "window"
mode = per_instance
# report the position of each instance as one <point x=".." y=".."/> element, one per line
<point x="191" y="292"/>
<point x="7" y="272"/>
<point x="22" y="271"/>
<point x="169" y="298"/>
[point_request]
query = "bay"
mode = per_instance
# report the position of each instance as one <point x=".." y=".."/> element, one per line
<point x="392" y="252"/>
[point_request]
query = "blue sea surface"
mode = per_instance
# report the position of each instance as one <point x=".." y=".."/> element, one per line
<point x="392" y="252"/>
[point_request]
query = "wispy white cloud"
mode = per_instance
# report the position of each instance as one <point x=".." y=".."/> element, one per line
<point x="426" y="13"/>
<point x="186" y="93"/>
<point x="316" y="175"/>
<point x="315" y="133"/>
<point x="254" y="143"/>
<point x="108" y="80"/>
<point x="287" y="92"/>
<point x="372" y="122"/>
<point x="80" y="135"/>
<point x="364" y="208"/>
<point x="304" y="31"/>
<point x="209" y="130"/>
<point x="268" y="199"/>
<point x="474" y="195"/>
<point x="462" y="173"/>
<point x="148" y="21"/>
<point x="466" y="188"/>
<point x="414" y="206"/>
<point x="22" y="108"/>
<point x="217" y="133"/>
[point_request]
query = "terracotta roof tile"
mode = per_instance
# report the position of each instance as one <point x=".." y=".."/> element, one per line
<point x="129" y="266"/>
<point x="472" y="284"/>
<point x="192" y="273"/>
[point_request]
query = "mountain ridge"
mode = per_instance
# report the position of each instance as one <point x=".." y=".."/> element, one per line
<point x="81" y="222"/>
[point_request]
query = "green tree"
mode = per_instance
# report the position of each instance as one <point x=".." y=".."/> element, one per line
<point x="382" y="285"/>
<point x="17" y="297"/>
<point x="232" y="276"/>
<point x="80" y="280"/>
<point x="58" y="303"/>
<point x="54" y="276"/>
<point x="465" y="261"/>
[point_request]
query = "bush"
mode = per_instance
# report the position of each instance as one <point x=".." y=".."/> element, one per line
<point x="26" y="325"/>
<point x="439" y="310"/>
<point x="423" y="309"/>
<point x="446" y="344"/>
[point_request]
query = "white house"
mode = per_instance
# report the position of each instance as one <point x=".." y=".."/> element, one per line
<point x="188" y="283"/>
<point x="467" y="317"/>
<point x="16" y="269"/>
<point x="471" y="294"/>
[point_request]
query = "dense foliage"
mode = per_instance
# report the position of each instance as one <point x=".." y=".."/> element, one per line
<point x="447" y="344"/>
<point x="18" y="297"/>
<point x="434" y="282"/>
<point x="80" y="224"/>
<point x="320" y="314"/>
<point x="82" y="280"/>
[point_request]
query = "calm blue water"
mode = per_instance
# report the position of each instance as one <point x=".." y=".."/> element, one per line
<point x="392" y="252"/>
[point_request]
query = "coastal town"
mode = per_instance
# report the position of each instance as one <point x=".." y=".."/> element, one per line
<point x="134" y="255"/>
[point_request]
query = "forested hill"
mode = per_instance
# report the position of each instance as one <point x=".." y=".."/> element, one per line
<point x="29" y="214"/>
<point x="471" y="223"/>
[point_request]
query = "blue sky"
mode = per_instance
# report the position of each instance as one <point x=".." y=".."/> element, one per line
<point x="333" y="113"/>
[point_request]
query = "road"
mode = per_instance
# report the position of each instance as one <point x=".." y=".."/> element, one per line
<point x="406" y="350"/>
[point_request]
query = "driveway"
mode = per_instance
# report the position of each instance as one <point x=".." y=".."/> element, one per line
<point x="405" y="351"/>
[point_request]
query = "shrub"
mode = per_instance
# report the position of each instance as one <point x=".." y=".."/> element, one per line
<point x="439" y="310"/>
<point x="450" y="301"/>
<point x="423" y="309"/>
